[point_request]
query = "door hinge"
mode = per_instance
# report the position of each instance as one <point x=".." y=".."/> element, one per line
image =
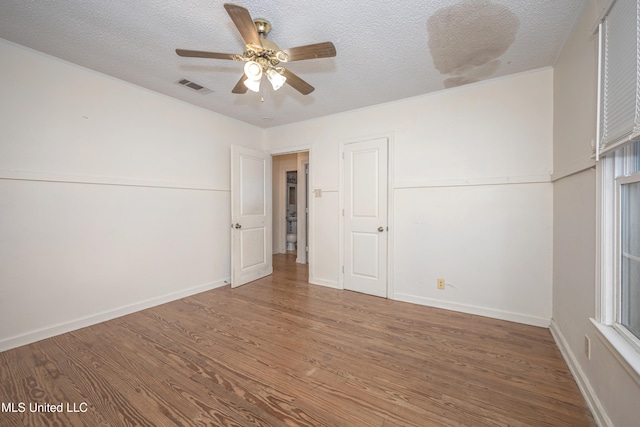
<point x="343" y="269"/>
<point x="342" y="212"/>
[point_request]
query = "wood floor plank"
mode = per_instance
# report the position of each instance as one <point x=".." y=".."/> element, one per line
<point x="222" y="385"/>
<point x="43" y="382"/>
<point x="230" y="379"/>
<point x="279" y="351"/>
<point x="150" y="390"/>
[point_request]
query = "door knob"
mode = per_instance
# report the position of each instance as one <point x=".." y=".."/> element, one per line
<point x="238" y="225"/>
<point x="380" y="229"/>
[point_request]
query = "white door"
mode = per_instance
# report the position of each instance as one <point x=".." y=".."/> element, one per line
<point x="365" y="217"/>
<point x="250" y="215"/>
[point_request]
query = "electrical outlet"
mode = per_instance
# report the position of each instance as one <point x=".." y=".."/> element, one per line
<point x="441" y="284"/>
<point x="587" y="347"/>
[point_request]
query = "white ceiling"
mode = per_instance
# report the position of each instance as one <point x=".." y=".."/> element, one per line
<point x="386" y="50"/>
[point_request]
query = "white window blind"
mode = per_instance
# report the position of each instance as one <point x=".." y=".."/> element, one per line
<point x="620" y="76"/>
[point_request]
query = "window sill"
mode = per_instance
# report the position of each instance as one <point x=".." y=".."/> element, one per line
<point x="627" y="354"/>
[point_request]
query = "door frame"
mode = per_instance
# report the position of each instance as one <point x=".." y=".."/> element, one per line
<point x="307" y="207"/>
<point x="390" y="188"/>
<point x="295" y="150"/>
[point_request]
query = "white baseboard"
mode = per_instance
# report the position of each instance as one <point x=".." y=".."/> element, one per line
<point x="324" y="282"/>
<point x="597" y="410"/>
<point x="61" y="328"/>
<point x="472" y="309"/>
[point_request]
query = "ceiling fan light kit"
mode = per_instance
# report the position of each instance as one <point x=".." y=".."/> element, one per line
<point x="262" y="56"/>
<point x="259" y="64"/>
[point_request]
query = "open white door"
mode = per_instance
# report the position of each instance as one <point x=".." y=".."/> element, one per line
<point x="250" y="215"/>
<point x="365" y="217"/>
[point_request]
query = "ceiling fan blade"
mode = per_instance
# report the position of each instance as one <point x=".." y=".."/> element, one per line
<point x="318" y="50"/>
<point x="202" y="54"/>
<point x="297" y="83"/>
<point x="240" y="87"/>
<point x="241" y="17"/>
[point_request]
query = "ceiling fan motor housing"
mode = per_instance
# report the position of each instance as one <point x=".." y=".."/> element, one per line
<point x="262" y="26"/>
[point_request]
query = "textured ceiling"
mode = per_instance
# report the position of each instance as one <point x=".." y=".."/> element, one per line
<point x="386" y="50"/>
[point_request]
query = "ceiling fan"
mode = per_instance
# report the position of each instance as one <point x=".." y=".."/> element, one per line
<point x="262" y="56"/>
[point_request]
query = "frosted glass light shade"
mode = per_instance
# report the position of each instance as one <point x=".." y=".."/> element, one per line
<point x="253" y="70"/>
<point x="276" y="79"/>
<point x="253" y="85"/>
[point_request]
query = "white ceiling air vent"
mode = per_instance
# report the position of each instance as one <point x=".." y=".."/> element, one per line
<point x="195" y="86"/>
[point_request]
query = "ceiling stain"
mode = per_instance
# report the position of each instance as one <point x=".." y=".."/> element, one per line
<point x="466" y="39"/>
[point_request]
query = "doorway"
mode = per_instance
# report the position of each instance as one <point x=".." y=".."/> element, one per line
<point x="291" y="211"/>
<point x="290" y="205"/>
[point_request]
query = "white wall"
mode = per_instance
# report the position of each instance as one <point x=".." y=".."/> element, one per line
<point x="611" y="392"/>
<point x="471" y="194"/>
<point x="112" y="198"/>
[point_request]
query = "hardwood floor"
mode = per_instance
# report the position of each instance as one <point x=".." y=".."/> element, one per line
<point x="280" y="352"/>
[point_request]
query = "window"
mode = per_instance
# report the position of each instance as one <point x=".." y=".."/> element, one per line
<point x="629" y="236"/>
<point x="618" y="152"/>
<point x="627" y="240"/>
<point x="618" y="316"/>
